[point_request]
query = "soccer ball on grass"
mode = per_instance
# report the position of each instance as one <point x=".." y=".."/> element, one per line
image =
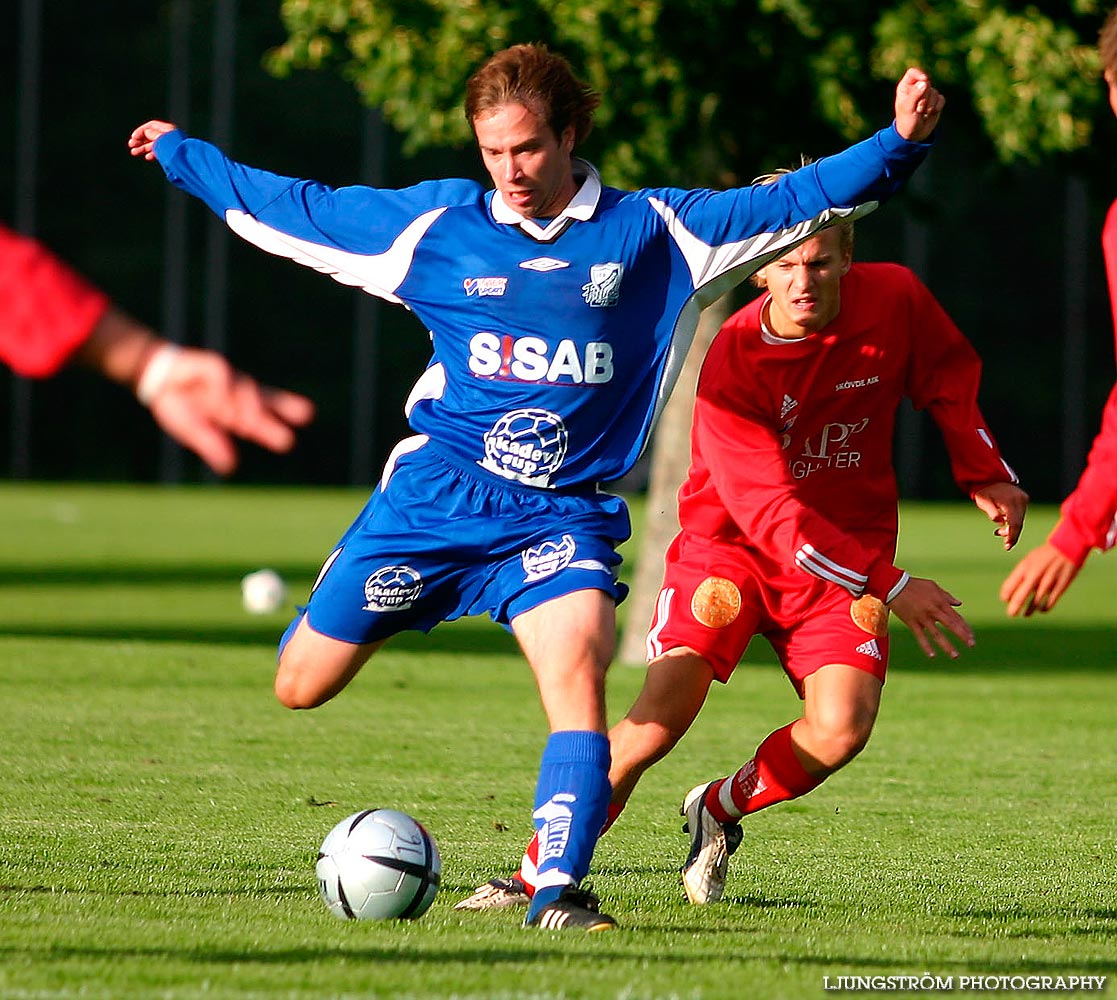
<point x="378" y="864"/>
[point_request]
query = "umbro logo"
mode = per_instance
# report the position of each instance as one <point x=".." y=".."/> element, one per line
<point x="869" y="648"/>
<point x="544" y="264"/>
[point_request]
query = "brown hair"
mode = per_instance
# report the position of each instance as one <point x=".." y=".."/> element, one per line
<point x="538" y="79"/>
<point x="1107" y="43"/>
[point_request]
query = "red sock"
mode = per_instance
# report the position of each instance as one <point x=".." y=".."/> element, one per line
<point x="615" y="809"/>
<point x="773" y="775"/>
<point x="527" y="871"/>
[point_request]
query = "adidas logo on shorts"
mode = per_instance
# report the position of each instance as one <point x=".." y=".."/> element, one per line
<point x="869" y="648"/>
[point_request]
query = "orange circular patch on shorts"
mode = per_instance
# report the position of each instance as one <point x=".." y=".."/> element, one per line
<point x="716" y="602"/>
<point x="870" y="615"/>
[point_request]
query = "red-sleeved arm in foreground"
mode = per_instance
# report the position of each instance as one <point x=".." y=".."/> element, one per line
<point x="47" y="310"/>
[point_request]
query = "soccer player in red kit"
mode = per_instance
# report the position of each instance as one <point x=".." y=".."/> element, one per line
<point x="789" y="522"/>
<point x="50" y="316"/>
<point x="1088" y="517"/>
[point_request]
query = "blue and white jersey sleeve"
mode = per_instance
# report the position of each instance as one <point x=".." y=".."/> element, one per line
<point x="555" y="343"/>
<point x="721" y="233"/>
<point x="358" y="235"/>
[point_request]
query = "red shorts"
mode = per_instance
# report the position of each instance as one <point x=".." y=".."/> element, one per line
<point x="714" y="600"/>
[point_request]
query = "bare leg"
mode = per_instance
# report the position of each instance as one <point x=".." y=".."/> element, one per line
<point x="840" y="705"/>
<point x="675" y="688"/>
<point x="569" y="643"/>
<point x="313" y="667"/>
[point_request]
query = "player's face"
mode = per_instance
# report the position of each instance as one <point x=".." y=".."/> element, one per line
<point x="530" y="166"/>
<point x="1111" y="82"/>
<point x="805" y="285"/>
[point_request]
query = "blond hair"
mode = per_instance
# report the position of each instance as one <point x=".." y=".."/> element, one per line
<point x="844" y="229"/>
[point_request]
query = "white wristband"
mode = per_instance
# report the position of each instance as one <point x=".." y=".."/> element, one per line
<point x="156" y="372"/>
<point x="900" y="584"/>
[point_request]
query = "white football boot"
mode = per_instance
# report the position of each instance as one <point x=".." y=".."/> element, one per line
<point x="711" y="844"/>
<point x="495" y="894"/>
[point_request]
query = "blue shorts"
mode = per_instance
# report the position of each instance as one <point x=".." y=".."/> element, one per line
<point x="436" y="542"/>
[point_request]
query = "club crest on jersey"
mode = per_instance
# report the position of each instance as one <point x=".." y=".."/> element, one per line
<point x="526" y="445"/>
<point x="604" y="286"/>
<point x="547" y="558"/>
<point x="392" y="588"/>
<point x="485" y="286"/>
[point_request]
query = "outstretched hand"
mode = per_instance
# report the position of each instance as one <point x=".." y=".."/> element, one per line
<point x="918" y="106"/>
<point x="204" y="403"/>
<point x="1005" y="505"/>
<point x="925" y="608"/>
<point x="1038" y="581"/>
<point x="142" y="140"/>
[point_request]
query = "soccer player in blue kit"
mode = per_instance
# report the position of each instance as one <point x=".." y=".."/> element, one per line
<point x="560" y="311"/>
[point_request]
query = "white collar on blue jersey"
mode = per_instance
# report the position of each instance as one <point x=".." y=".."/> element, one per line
<point x="581" y="206"/>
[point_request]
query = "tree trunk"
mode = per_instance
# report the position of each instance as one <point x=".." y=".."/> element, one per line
<point x="669" y="465"/>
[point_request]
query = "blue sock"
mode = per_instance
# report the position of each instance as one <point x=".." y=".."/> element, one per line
<point x="571" y="802"/>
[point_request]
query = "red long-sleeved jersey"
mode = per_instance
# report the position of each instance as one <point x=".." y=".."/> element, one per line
<point x="1089" y="514"/>
<point x="792" y="439"/>
<point x="47" y="310"/>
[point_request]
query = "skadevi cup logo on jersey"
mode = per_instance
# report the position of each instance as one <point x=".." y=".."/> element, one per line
<point x="527" y="445"/>
<point x="392" y="588"/>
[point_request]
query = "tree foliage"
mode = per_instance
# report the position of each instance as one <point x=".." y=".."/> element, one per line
<point x="705" y="91"/>
<point x="1032" y="79"/>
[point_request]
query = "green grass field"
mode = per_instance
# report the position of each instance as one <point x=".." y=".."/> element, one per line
<point x="160" y="812"/>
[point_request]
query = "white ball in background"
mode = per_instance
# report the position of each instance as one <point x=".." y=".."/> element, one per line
<point x="263" y="592"/>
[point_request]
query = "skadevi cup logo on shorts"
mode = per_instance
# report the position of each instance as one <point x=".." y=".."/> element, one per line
<point x="527" y="446"/>
<point x="392" y="588"/>
<point x="547" y="558"/>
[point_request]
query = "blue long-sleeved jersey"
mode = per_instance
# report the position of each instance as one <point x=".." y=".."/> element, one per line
<point x="555" y="345"/>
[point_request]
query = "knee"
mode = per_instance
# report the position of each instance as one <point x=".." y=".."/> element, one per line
<point x="291" y="694"/>
<point x="854" y="739"/>
<point x="836" y="743"/>
<point x="294" y="685"/>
